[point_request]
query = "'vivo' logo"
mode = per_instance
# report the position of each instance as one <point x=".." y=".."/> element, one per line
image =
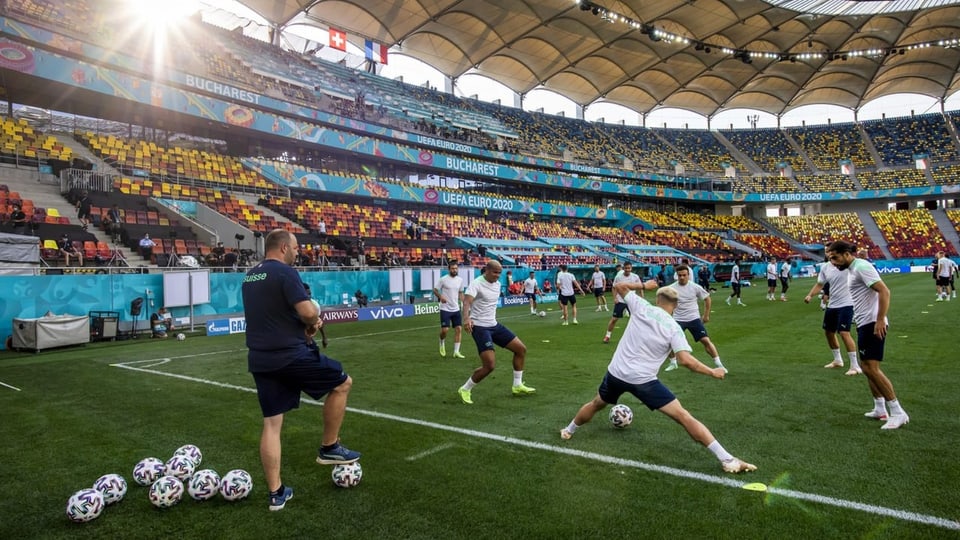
<point x="385" y="312"/>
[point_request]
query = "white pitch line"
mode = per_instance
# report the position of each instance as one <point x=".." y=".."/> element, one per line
<point x="10" y="387"/>
<point x="430" y="451"/>
<point x="903" y="515"/>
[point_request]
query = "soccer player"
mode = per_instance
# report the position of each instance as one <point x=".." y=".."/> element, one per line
<point x="565" y="286"/>
<point x="871" y="300"/>
<point x="945" y="270"/>
<point x="480" y="319"/>
<point x="735" y="284"/>
<point x="599" y="281"/>
<point x="531" y="289"/>
<point x="687" y="314"/>
<point x="284" y="359"/>
<point x="619" y="305"/>
<point x="772" y="279"/>
<point x="784" y="280"/>
<point x="651" y="335"/>
<point x="449" y="291"/>
<point x="838" y="316"/>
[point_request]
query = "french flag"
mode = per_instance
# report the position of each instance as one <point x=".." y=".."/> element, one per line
<point x="376" y="52"/>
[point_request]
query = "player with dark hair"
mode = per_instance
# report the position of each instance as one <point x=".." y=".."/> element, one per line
<point x="871" y="300"/>
<point x="735" y="284"/>
<point x="687" y="314"/>
<point x="619" y="306"/>
<point x="838" y="316"/>
<point x="599" y="281"/>
<point x="449" y="292"/>
<point x="285" y="360"/>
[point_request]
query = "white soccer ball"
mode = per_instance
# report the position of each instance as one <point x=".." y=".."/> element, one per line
<point x="204" y="484"/>
<point x="181" y="337"/>
<point x="347" y="475"/>
<point x="147" y="470"/>
<point x="542" y="314"/>
<point x="180" y="466"/>
<point x="236" y="485"/>
<point x="166" y="491"/>
<point x="621" y="416"/>
<point x="113" y="487"/>
<point x="85" y="505"/>
<point x="191" y="452"/>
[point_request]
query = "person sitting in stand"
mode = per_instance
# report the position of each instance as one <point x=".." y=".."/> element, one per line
<point x="361" y="298"/>
<point x="19" y="219"/>
<point x="216" y="255"/>
<point x="67" y="249"/>
<point x="161" y="323"/>
<point x="146" y="246"/>
<point x="547" y="286"/>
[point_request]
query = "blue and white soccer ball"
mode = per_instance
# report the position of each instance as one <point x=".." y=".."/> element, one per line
<point x="191" y="452"/>
<point x="181" y="336"/>
<point x="347" y="475"/>
<point x="180" y="466"/>
<point x="166" y="491"/>
<point x="204" y="484"/>
<point x="147" y="470"/>
<point x="236" y="485"/>
<point x="113" y="487"/>
<point x="85" y="505"/>
<point x="621" y="416"/>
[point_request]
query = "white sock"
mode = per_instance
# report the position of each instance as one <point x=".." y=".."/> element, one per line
<point x="719" y="451"/>
<point x="854" y="363"/>
<point x="572" y="427"/>
<point x="517" y="377"/>
<point x="895" y="408"/>
<point x="880" y="405"/>
<point x="443" y="342"/>
<point x="836" y="357"/>
<point x="456" y="347"/>
<point x="608" y="334"/>
<point x="673" y="361"/>
<point x="469" y="384"/>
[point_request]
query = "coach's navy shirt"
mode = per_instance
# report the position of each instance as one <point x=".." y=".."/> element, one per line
<point x="275" y="333"/>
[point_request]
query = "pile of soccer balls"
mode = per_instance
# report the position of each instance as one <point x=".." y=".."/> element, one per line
<point x="167" y="482"/>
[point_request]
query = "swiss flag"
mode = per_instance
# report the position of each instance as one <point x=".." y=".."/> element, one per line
<point x="338" y="39"/>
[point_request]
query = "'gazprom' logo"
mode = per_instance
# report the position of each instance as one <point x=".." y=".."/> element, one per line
<point x="218" y="327"/>
<point x="385" y="312"/>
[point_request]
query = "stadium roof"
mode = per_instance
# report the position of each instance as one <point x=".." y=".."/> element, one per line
<point x="701" y="55"/>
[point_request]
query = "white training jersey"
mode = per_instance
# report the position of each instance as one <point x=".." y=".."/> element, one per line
<point x="624" y="277"/>
<point x="839" y="285"/>
<point x="735" y="273"/>
<point x="565" y="283"/>
<point x="785" y="270"/>
<point x="687" y="297"/>
<point x="450" y="287"/>
<point x="650" y="335"/>
<point x="772" y="271"/>
<point x="530" y="285"/>
<point x="485" y="295"/>
<point x="945" y="267"/>
<point x="599" y="279"/>
<point x="861" y="275"/>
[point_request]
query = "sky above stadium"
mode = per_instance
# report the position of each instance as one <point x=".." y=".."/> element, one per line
<point x="297" y="37"/>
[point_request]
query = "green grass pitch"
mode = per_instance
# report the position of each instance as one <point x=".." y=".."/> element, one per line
<point x="435" y="468"/>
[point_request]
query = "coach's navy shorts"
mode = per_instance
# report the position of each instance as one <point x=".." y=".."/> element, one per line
<point x="488" y="336"/>
<point x="696" y="328"/>
<point x="618" y="310"/>
<point x="838" y="319"/>
<point x="279" y="390"/>
<point x="450" y="319"/>
<point x="653" y="394"/>
<point x="869" y="345"/>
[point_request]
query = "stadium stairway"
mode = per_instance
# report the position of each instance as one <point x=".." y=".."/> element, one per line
<point x="946" y="227"/>
<point x="800" y="152"/>
<point x="81" y="151"/>
<point x="740" y="156"/>
<point x="873" y="152"/>
<point x="873" y="231"/>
